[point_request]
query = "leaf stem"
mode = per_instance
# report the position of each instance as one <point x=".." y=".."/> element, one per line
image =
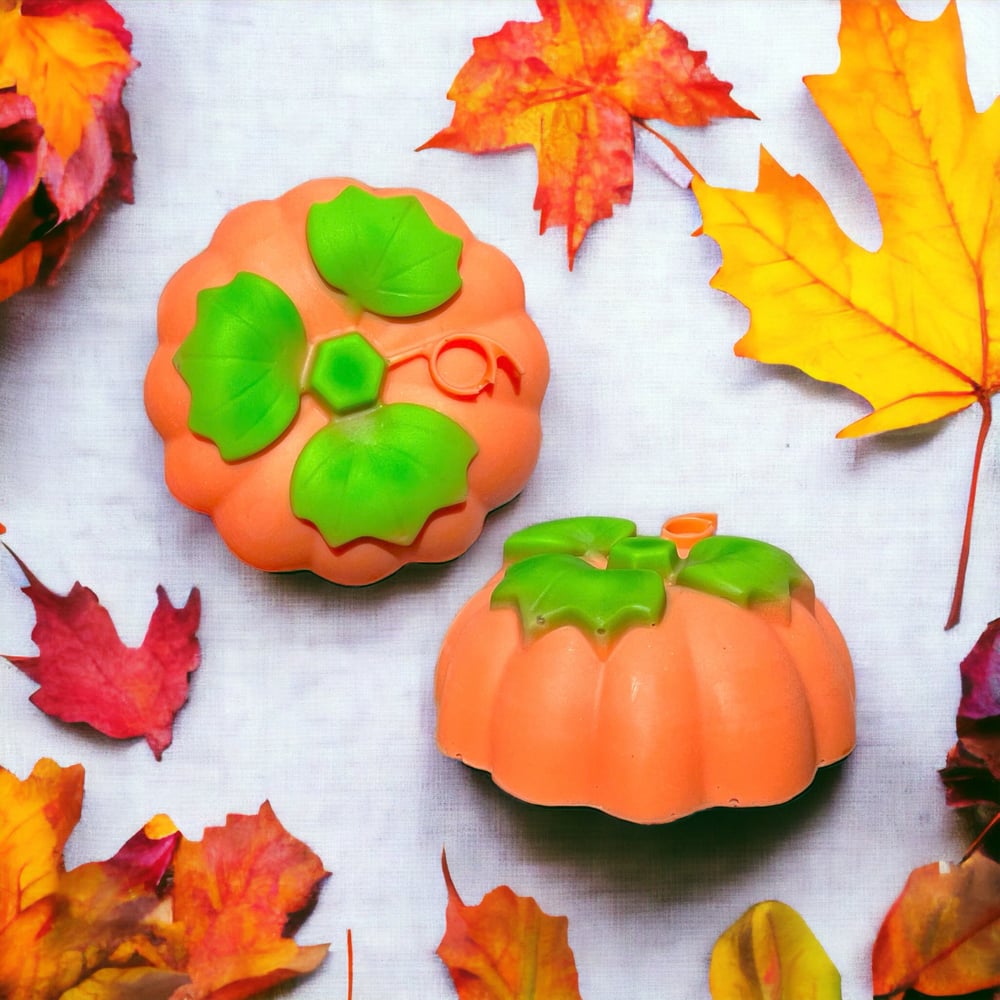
<point x="350" y="965"/>
<point x="642" y="123"/>
<point x="975" y="845"/>
<point x="963" y="559"/>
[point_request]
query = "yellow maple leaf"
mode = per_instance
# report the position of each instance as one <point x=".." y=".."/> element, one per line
<point x="37" y="816"/>
<point x="912" y="327"/>
<point x="64" y="63"/>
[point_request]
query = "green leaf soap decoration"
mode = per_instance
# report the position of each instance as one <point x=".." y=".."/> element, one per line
<point x="552" y="590"/>
<point x="645" y="552"/>
<point x="381" y="473"/>
<point x="242" y="361"/>
<point x="385" y="253"/>
<point x="744" y="571"/>
<point x="575" y="536"/>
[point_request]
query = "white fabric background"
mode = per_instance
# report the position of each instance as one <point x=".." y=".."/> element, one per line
<point x="319" y="698"/>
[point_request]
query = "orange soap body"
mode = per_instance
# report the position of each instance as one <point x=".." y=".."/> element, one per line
<point x="697" y="700"/>
<point x="326" y="488"/>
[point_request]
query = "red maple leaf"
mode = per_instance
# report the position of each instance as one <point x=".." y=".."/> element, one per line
<point x="87" y="674"/>
<point x="571" y="85"/>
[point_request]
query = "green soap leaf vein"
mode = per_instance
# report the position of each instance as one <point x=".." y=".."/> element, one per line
<point x="381" y="473"/>
<point x="242" y="361"/>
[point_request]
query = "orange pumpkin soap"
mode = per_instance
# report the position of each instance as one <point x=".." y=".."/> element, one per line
<point x="346" y="381"/>
<point x="647" y="676"/>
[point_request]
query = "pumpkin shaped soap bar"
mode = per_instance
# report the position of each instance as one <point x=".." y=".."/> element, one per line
<point x="346" y="381"/>
<point x="649" y="677"/>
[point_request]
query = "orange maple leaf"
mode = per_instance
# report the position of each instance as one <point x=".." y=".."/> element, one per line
<point x="234" y="892"/>
<point x="66" y="61"/>
<point x="913" y="326"/>
<point x="570" y="85"/>
<point x="506" y="948"/>
<point x="65" y="140"/>
<point x="942" y="934"/>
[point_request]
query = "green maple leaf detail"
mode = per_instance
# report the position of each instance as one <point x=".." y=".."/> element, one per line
<point x="242" y="362"/>
<point x="550" y="583"/>
<point x="555" y="589"/>
<point x="744" y="571"/>
<point x="574" y="536"/>
<point x="385" y="253"/>
<point x="381" y="473"/>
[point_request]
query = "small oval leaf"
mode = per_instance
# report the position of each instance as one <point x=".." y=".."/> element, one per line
<point x="385" y="253"/>
<point x="242" y="361"/>
<point x="771" y="954"/>
<point x="381" y="473"/>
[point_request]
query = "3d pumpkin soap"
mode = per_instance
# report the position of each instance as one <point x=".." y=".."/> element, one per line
<point x="649" y="677"/>
<point x="346" y="381"/>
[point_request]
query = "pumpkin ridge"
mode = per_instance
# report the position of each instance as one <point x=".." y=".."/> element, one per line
<point x="762" y="769"/>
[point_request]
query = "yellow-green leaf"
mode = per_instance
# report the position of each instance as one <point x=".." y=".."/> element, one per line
<point x="771" y="954"/>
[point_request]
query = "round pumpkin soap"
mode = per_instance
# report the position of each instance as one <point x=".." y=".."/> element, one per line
<point x="346" y="381"/>
<point x="647" y="676"/>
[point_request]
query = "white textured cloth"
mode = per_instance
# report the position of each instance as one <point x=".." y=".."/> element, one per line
<point x="319" y="698"/>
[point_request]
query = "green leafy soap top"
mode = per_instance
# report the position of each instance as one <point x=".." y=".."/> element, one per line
<point x="376" y="470"/>
<point x="598" y="575"/>
<point x="385" y="254"/>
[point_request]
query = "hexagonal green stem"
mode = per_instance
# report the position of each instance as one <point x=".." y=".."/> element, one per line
<point x="347" y="373"/>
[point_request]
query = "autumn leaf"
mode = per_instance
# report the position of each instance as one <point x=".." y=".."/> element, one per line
<point x="506" y="948"/>
<point x="972" y="772"/>
<point x="165" y="918"/>
<point x="101" y="916"/>
<point x="65" y="140"/>
<point x="86" y="674"/>
<point x="37" y="815"/>
<point x="912" y="327"/>
<point x="770" y="953"/>
<point x="942" y="935"/>
<point x="234" y="893"/>
<point x="571" y="85"/>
